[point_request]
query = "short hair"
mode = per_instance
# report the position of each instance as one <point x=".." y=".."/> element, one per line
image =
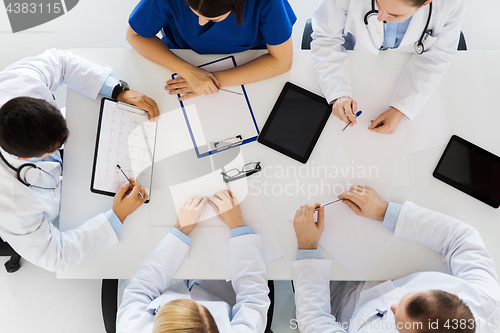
<point x="439" y="307"/>
<point x="31" y="127"/>
<point x="184" y="315"/>
<point x="216" y="8"/>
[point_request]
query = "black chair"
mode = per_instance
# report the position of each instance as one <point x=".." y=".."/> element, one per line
<point x="307" y="39"/>
<point x="109" y="294"/>
<point x="109" y="298"/>
<point x="306" y="36"/>
<point x="462" y="45"/>
<point x="13" y="264"/>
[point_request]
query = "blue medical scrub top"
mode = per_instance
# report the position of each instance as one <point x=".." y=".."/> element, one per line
<point x="264" y="22"/>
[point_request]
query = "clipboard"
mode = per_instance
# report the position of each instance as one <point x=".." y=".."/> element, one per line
<point x="220" y="121"/>
<point x="126" y="137"/>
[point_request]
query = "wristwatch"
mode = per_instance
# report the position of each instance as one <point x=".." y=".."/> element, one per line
<point x="120" y="86"/>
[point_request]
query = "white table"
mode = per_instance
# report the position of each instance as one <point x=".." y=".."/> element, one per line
<point x="469" y="92"/>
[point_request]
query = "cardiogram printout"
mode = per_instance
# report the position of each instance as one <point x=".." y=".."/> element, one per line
<point x="127" y="138"/>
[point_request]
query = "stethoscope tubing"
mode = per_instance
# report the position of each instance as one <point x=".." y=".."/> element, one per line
<point x="419" y="46"/>
<point x="19" y="170"/>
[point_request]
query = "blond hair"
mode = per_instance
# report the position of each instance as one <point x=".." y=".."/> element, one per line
<point x="184" y="315"/>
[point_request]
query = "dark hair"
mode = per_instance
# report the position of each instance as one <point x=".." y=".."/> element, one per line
<point x="215" y="8"/>
<point x="31" y="127"/>
<point x="438" y="307"/>
<point x="416" y="3"/>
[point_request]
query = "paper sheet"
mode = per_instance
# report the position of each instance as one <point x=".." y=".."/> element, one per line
<point x="208" y="185"/>
<point x="362" y="156"/>
<point x="355" y="242"/>
<point x="221" y="116"/>
<point x="218" y="234"/>
<point x="126" y="138"/>
<point x="428" y="129"/>
<point x="400" y="177"/>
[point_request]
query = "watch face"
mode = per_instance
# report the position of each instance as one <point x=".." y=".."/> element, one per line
<point x="124" y="85"/>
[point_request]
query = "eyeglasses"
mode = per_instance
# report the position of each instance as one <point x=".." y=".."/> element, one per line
<point x="247" y="170"/>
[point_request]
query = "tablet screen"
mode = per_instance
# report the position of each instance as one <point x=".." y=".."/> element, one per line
<point x="296" y="122"/>
<point x="471" y="169"/>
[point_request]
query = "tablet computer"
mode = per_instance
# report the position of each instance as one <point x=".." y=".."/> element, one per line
<point x="296" y="122"/>
<point x="470" y="169"/>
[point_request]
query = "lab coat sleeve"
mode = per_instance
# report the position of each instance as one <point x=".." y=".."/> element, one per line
<point x="249" y="280"/>
<point x="150" y="281"/>
<point x="330" y="59"/>
<point x="311" y="279"/>
<point x="57" y="67"/>
<point x="44" y="245"/>
<point x="461" y="246"/>
<point x="422" y="73"/>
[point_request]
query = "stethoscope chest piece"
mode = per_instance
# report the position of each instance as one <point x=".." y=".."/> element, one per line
<point x="419" y="48"/>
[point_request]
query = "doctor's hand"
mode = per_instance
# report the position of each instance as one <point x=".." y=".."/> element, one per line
<point x="387" y="122"/>
<point x="197" y="82"/>
<point x="189" y="214"/>
<point x="364" y="201"/>
<point x="345" y="109"/>
<point x="308" y="231"/>
<point x="125" y="203"/>
<point x="227" y="208"/>
<point x="141" y="101"/>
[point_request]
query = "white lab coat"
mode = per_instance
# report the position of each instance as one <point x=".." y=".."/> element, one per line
<point x="26" y="214"/>
<point x="472" y="276"/>
<point x="152" y="286"/>
<point x="333" y="20"/>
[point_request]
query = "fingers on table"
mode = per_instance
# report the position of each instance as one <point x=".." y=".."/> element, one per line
<point x="352" y="205"/>
<point x="153" y="109"/>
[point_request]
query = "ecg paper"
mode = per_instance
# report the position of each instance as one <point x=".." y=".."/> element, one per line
<point x="127" y="138"/>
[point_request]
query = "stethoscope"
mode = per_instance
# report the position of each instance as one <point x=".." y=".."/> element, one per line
<point x="25" y="167"/>
<point x="419" y="45"/>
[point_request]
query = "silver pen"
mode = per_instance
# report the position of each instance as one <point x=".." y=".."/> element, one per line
<point x="120" y="168"/>
<point x="230" y="91"/>
<point x="328" y="203"/>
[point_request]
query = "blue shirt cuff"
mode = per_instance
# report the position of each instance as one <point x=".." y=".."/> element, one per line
<point x="108" y="86"/>
<point x="240" y="231"/>
<point x="391" y="215"/>
<point x="179" y="234"/>
<point x="113" y="220"/>
<point x="309" y="254"/>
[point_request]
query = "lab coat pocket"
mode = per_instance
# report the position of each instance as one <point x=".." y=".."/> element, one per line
<point x="428" y="42"/>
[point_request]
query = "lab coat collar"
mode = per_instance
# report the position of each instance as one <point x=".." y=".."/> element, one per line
<point x="418" y="21"/>
<point x="13" y="161"/>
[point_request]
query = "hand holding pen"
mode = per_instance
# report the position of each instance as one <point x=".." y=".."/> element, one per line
<point x="387" y="122"/>
<point x="133" y="185"/>
<point x="123" y="204"/>
<point x="356" y="116"/>
<point x="345" y="108"/>
<point x="307" y="230"/>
